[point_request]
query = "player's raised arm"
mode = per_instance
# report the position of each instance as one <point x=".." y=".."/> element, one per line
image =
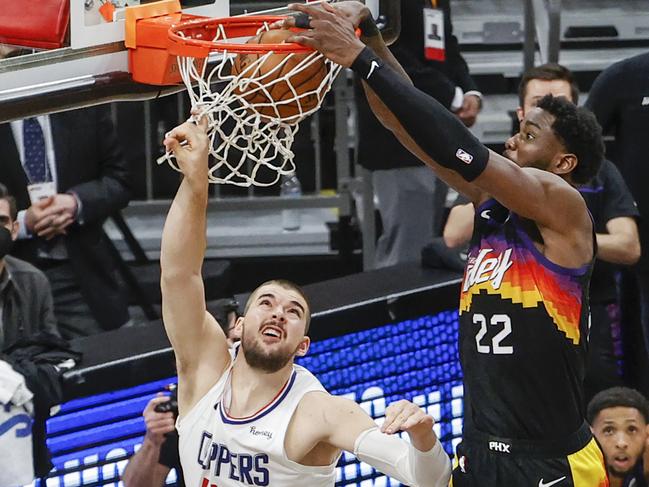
<point x="325" y="18"/>
<point x="430" y="131"/>
<point x="198" y="341"/>
<point x="342" y="423"/>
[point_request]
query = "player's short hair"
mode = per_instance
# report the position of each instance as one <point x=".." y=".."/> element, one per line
<point x="548" y="72"/>
<point x="578" y="130"/>
<point x="286" y="284"/>
<point x="617" y="397"/>
<point x="4" y="195"/>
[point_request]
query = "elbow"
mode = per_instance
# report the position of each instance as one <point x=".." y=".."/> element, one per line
<point x="634" y="252"/>
<point x="456" y="236"/>
<point x="453" y="240"/>
<point x="173" y="278"/>
<point x="631" y="253"/>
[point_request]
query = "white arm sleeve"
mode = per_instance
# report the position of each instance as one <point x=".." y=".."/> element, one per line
<point x="399" y="459"/>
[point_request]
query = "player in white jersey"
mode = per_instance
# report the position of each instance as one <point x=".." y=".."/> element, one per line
<point x="255" y="418"/>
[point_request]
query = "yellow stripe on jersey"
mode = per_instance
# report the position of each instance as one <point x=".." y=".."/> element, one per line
<point x="528" y="299"/>
<point x="587" y="467"/>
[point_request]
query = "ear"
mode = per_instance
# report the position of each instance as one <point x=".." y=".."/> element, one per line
<point x="238" y="327"/>
<point x="303" y="347"/>
<point x="565" y="164"/>
<point x="520" y="114"/>
<point x="15" y="226"/>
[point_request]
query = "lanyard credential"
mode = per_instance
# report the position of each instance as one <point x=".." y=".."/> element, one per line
<point x="434" y="32"/>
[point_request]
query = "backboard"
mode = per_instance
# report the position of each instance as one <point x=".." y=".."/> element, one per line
<point x="91" y="24"/>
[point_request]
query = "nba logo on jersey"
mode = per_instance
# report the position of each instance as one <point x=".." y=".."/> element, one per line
<point x="464" y="156"/>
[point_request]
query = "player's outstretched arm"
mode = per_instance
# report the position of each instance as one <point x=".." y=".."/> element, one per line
<point x="333" y="34"/>
<point x="420" y="463"/>
<point x="436" y="136"/>
<point x="198" y="341"/>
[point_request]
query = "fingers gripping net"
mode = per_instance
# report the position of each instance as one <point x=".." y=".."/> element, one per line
<point x="254" y="114"/>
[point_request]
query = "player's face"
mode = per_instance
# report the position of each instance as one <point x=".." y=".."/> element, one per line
<point x="536" y="144"/>
<point x="273" y="328"/>
<point x="538" y="88"/>
<point x="622" y="433"/>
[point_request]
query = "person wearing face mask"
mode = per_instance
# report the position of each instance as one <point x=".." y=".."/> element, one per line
<point x="26" y="305"/>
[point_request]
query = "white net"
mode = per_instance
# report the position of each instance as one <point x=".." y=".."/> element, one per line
<point x="254" y="104"/>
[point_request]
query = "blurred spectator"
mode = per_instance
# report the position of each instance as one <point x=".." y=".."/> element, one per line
<point x="16" y="411"/>
<point x="226" y="312"/>
<point x="619" y="98"/>
<point x="25" y="296"/>
<point x="614" y="212"/>
<point x="67" y="174"/>
<point x="409" y="197"/>
<point x="30" y="345"/>
<point x="619" y="417"/>
<point x="150" y="466"/>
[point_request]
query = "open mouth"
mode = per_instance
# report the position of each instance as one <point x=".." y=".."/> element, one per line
<point x="622" y="462"/>
<point x="272" y="332"/>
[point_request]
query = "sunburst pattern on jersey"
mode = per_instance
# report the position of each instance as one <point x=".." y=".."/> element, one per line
<point x="529" y="283"/>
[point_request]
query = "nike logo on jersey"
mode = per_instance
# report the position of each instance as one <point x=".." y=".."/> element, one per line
<point x="548" y="484"/>
<point x="487" y="267"/>
<point x="485" y="214"/>
<point x="373" y="65"/>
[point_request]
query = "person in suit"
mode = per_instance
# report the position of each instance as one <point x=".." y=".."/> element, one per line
<point x="68" y="175"/>
<point x="403" y="185"/>
<point x="26" y="306"/>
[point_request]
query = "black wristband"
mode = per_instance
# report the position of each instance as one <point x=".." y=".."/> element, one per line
<point x="437" y="131"/>
<point x="366" y="64"/>
<point x="368" y="27"/>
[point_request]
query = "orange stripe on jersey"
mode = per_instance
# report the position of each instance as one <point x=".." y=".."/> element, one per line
<point x="514" y="273"/>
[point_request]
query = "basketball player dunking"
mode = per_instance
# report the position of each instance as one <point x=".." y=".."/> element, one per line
<point x="255" y="418"/>
<point x="524" y="312"/>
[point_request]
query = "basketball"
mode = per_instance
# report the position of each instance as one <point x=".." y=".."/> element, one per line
<point x="305" y="82"/>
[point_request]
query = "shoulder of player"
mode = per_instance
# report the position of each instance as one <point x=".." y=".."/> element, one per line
<point x="566" y="204"/>
<point x="554" y="184"/>
<point x="324" y="409"/>
<point x="314" y="404"/>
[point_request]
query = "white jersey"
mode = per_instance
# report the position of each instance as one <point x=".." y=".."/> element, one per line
<point x="218" y="450"/>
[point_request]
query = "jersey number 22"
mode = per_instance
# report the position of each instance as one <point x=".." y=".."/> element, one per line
<point x="495" y="347"/>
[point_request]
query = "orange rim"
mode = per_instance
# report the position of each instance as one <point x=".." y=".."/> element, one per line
<point x="234" y="27"/>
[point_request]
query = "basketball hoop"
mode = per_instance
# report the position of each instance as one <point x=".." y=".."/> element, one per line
<point x="250" y="126"/>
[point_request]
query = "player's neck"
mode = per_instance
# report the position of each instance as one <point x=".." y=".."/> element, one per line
<point x="615" y="480"/>
<point x="253" y="389"/>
